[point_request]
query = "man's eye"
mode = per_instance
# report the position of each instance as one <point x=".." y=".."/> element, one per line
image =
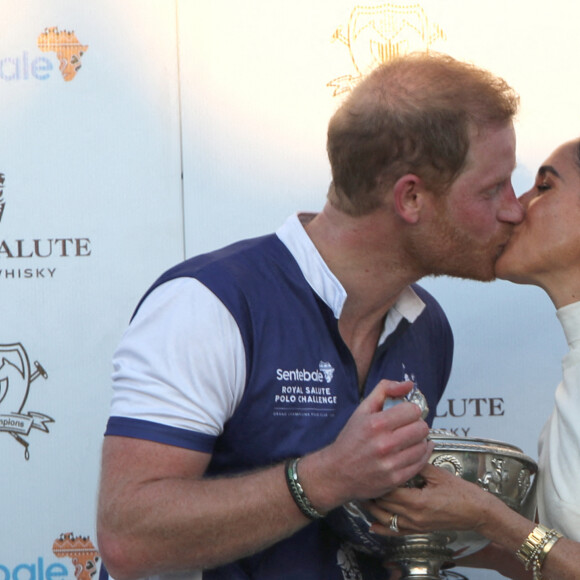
<point x="494" y="191"/>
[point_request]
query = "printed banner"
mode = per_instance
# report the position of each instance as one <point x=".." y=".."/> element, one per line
<point x="90" y="213"/>
<point x="137" y="133"/>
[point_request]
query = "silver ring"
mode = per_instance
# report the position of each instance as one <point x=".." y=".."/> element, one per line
<point x="393" y="523"/>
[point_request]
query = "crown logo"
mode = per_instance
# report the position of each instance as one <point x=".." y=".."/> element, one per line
<point x="376" y="34"/>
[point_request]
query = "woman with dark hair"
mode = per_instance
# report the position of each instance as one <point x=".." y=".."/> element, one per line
<point x="544" y="251"/>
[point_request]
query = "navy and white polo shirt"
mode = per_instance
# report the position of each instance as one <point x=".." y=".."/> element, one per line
<point x="237" y="353"/>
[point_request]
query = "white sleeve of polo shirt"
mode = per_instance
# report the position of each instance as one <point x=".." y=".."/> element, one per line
<point x="181" y="361"/>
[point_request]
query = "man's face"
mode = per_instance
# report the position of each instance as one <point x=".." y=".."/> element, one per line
<point x="472" y="223"/>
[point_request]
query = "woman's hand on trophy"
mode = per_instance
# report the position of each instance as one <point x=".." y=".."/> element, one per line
<point x="444" y="502"/>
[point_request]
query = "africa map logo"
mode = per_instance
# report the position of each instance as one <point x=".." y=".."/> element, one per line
<point x="81" y="551"/>
<point x="27" y="65"/>
<point x="67" y="47"/>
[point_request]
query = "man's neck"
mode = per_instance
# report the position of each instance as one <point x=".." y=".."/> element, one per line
<point x="366" y="256"/>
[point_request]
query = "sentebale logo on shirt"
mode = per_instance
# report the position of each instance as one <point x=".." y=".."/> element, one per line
<point x="305" y="392"/>
<point x="323" y="373"/>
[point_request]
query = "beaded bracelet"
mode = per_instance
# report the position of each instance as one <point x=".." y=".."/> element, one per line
<point x="297" y="491"/>
<point x="536" y="547"/>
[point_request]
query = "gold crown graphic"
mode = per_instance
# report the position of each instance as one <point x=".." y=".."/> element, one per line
<point x="376" y="34"/>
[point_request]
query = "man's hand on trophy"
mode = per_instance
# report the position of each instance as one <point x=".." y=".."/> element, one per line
<point x="377" y="450"/>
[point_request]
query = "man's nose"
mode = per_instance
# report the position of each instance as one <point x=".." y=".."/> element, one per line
<point x="511" y="211"/>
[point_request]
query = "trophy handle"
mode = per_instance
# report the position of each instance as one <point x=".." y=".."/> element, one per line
<point x="530" y="504"/>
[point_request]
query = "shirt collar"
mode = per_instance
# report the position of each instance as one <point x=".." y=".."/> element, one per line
<point x="326" y="284"/>
<point x="569" y="317"/>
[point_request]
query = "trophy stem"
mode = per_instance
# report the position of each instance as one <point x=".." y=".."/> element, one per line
<point x="417" y="570"/>
<point x="419" y="559"/>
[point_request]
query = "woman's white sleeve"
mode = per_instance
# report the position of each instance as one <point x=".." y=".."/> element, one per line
<point x="559" y="447"/>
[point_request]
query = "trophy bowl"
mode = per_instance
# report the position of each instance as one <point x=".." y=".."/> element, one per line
<point x="499" y="468"/>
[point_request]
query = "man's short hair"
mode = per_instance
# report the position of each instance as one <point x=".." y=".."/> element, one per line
<point x="414" y="114"/>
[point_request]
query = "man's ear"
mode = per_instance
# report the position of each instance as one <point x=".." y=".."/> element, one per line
<point x="409" y="197"/>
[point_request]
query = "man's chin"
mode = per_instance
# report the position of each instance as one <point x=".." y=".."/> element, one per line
<point x="478" y="276"/>
<point x="468" y="275"/>
<point x="479" y="267"/>
<point x="482" y="277"/>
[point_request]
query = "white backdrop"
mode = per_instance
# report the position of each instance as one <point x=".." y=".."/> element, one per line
<point x="236" y="97"/>
<point x="95" y="158"/>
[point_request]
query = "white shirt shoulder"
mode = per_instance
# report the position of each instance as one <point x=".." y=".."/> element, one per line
<point x="182" y="347"/>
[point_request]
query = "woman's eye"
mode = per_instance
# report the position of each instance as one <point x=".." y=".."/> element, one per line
<point x="542" y="187"/>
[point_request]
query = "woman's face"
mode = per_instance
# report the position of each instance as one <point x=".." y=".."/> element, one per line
<point x="546" y="245"/>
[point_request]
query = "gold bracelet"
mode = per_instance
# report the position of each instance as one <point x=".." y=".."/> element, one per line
<point x="528" y="549"/>
<point x="554" y="537"/>
<point x="536" y="547"/>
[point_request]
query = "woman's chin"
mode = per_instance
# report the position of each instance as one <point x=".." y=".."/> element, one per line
<point x="513" y="276"/>
<point x="508" y="269"/>
<point x="505" y="269"/>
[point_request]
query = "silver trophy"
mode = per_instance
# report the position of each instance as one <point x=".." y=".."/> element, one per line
<point x="498" y="468"/>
